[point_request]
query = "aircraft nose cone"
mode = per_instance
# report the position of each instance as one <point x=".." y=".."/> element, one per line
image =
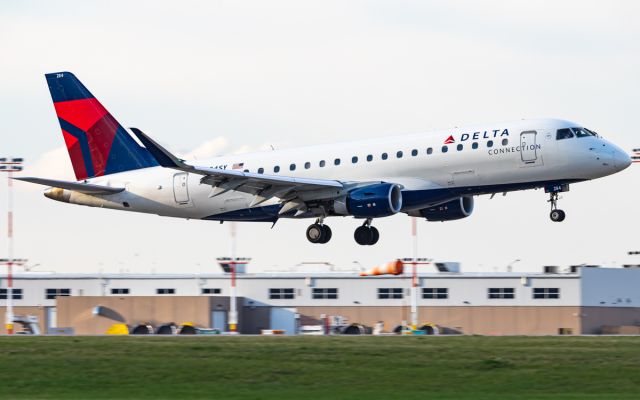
<point x="621" y="160"/>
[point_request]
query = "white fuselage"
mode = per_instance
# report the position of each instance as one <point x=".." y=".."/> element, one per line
<point x="506" y="156"/>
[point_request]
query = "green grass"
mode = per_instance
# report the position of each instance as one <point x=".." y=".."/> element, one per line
<point x="320" y="367"/>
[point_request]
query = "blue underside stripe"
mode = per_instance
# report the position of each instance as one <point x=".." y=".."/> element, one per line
<point x="411" y="199"/>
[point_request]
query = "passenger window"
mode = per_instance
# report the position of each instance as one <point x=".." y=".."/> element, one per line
<point x="336" y="161"/>
<point x="399" y="154"/>
<point x="322" y="163"/>
<point x="292" y="167"/>
<point x="490" y="143"/>
<point x="354" y="159"/>
<point x="276" y="169"/>
<point x="369" y="157"/>
<point x="474" y="145"/>
<point x="384" y="156"/>
<point x="564" y="133"/>
<point x="445" y="149"/>
<point x="414" y="152"/>
<point x="505" y="141"/>
<point x="460" y="147"/>
<point x="246" y="170"/>
<point x="261" y="170"/>
<point x="307" y="165"/>
<point x="429" y="150"/>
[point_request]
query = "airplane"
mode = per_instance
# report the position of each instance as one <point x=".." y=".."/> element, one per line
<point x="431" y="175"/>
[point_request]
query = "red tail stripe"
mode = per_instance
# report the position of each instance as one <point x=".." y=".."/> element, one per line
<point x="82" y="113"/>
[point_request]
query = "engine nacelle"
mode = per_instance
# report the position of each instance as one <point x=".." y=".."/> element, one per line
<point x="373" y="201"/>
<point x="452" y="210"/>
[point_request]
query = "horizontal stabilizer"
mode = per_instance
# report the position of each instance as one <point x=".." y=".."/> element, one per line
<point x="162" y="155"/>
<point x="87" y="188"/>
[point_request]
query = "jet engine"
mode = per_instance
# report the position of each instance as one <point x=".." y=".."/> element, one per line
<point x="449" y="211"/>
<point x="372" y="201"/>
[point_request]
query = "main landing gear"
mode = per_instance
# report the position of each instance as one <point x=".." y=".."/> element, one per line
<point x="366" y="235"/>
<point x="319" y="232"/>
<point x="555" y="215"/>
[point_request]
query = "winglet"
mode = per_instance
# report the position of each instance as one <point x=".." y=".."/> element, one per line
<point x="162" y="155"/>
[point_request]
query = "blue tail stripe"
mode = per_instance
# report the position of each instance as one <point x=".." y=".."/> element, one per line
<point x="127" y="155"/>
<point x="84" y="144"/>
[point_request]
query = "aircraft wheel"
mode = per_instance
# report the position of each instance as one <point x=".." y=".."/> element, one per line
<point x="315" y="233"/>
<point x="326" y="234"/>
<point x="363" y="235"/>
<point x="375" y="235"/>
<point x="557" y="215"/>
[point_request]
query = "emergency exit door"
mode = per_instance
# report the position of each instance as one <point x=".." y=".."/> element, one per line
<point x="181" y="188"/>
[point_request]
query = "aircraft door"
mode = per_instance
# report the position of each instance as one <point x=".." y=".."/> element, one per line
<point x="181" y="188"/>
<point x="529" y="154"/>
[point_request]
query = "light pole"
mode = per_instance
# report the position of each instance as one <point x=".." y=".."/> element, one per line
<point x="233" y="266"/>
<point x="10" y="165"/>
<point x="510" y="265"/>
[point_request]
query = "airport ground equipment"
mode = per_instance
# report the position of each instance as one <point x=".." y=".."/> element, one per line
<point x="29" y="323"/>
<point x="312" y="330"/>
<point x="143" y="329"/>
<point x="357" y="329"/>
<point x="167" y="329"/>
<point x="424" y="329"/>
<point x="118" y="329"/>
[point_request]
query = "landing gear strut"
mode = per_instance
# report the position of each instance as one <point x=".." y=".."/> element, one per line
<point x="319" y="232"/>
<point x="366" y="235"/>
<point x="556" y="215"/>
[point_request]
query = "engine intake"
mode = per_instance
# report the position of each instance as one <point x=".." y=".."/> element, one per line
<point x="452" y="210"/>
<point x="373" y="201"/>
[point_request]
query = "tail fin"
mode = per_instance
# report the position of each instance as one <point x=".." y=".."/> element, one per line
<point x="98" y="145"/>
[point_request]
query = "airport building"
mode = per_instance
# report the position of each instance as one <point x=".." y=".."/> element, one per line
<point x="586" y="300"/>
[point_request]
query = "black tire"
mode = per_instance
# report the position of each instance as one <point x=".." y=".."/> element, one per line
<point x="557" y="215"/>
<point x="326" y="234"/>
<point x="315" y="233"/>
<point x="562" y="215"/>
<point x="363" y="235"/>
<point x="375" y="236"/>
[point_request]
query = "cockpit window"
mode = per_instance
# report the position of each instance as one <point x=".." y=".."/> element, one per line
<point x="591" y="132"/>
<point x="583" y="132"/>
<point x="564" y="133"/>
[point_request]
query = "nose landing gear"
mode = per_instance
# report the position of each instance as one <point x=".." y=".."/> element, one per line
<point x="556" y="215"/>
<point x="366" y="235"/>
<point x="319" y="232"/>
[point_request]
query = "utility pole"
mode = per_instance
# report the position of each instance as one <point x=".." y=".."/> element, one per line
<point x="414" y="277"/>
<point x="233" y="312"/>
<point x="10" y="165"/>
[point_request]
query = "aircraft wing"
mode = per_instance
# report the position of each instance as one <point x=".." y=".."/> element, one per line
<point x="292" y="191"/>
<point x="87" y="188"/>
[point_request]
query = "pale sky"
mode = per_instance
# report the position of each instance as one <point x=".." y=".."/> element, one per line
<point x="206" y="78"/>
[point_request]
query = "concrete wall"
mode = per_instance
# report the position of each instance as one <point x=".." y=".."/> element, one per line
<point x="468" y="320"/>
<point x="593" y="318"/>
<point x="76" y="312"/>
